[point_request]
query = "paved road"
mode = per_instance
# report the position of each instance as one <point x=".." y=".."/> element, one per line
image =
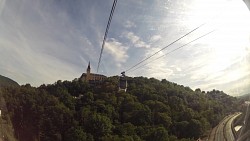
<point x="223" y="131"/>
<point x="245" y="130"/>
<point x="228" y="128"/>
<point x="219" y="134"/>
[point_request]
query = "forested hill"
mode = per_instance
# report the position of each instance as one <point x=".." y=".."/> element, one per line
<point x="149" y="110"/>
<point x="5" y="81"/>
<point x="245" y="97"/>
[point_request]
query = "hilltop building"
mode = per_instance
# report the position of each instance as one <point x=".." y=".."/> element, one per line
<point x="92" y="77"/>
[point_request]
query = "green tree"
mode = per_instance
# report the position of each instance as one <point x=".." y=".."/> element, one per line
<point x="158" y="134"/>
<point x="77" y="134"/>
<point x="99" y="125"/>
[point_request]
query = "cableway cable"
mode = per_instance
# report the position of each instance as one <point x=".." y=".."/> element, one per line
<point x="165" y="47"/>
<point x="174" y="50"/>
<point x="106" y="33"/>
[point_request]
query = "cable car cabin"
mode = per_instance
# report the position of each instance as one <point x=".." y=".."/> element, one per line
<point x="123" y="82"/>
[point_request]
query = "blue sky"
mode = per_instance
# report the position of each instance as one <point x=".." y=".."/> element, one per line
<point x="42" y="41"/>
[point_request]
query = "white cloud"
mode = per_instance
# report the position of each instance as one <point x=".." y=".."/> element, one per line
<point x="202" y="72"/>
<point x="155" y="38"/>
<point x="178" y="69"/>
<point x="240" y="88"/>
<point x="43" y="41"/>
<point x="117" y="50"/>
<point x="156" y="68"/>
<point x="135" y="40"/>
<point x="129" y="24"/>
<point x="40" y="43"/>
<point x="203" y="67"/>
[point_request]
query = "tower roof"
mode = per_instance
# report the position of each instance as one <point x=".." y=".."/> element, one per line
<point x="89" y="66"/>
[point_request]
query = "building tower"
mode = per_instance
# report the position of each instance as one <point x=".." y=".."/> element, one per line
<point x="88" y="76"/>
<point x="92" y="77"/>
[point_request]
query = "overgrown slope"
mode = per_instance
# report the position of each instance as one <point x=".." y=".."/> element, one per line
<point x="149" y="110"/>
<point x="5" y="81"/>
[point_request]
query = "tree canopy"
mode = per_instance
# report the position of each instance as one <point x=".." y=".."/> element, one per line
<point x="149" y="110"/>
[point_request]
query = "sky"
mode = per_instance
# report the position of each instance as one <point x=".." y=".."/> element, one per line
<point x="42" y="41"/>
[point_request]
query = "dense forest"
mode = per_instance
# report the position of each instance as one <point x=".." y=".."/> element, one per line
<point x="150" y="110"/>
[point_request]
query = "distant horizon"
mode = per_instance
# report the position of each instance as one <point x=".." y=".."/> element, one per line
<point x="130" y="77"/>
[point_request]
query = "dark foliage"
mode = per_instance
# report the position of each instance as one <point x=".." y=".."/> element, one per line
<point x="149" y="110"/>
<point x="5" y="81"/>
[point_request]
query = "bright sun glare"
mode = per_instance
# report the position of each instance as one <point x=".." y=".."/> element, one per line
<point x="230" y="42"/>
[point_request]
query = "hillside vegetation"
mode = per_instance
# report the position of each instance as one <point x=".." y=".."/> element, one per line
<point x="149" y="110"/>
<point x="245" y="97"/>
<point x="5" y="81"/>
